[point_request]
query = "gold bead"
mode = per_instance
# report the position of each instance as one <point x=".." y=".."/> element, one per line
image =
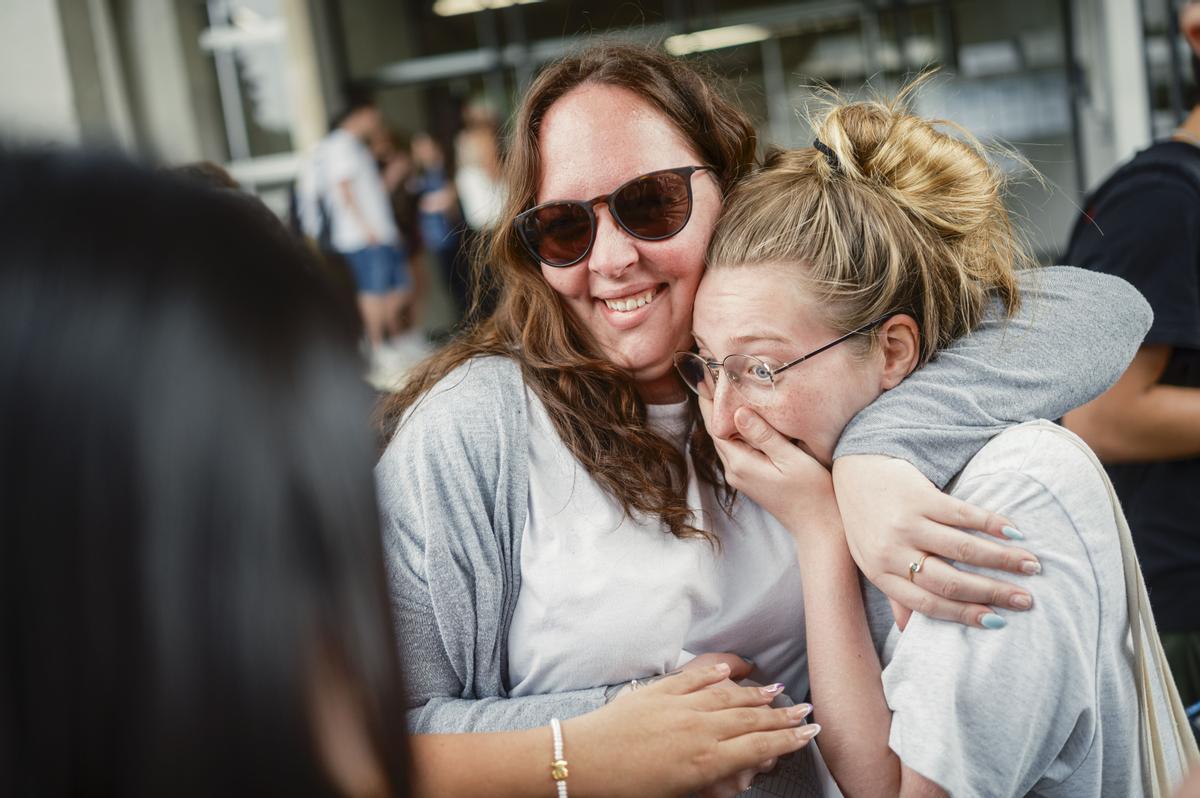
<point x="558" y="770"/>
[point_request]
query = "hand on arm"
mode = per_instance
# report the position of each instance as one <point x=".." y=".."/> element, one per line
<point x="679" y="735"/>
<point x="1072" y="338"/>
<point x="1139" y="419"/>
<point x="893" y="516"/>
<point x="739" y="669"/>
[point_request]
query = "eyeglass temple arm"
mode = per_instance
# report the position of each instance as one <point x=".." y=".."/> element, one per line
<point x="832" y="344"/>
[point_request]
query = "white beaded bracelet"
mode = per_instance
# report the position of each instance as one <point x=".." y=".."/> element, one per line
<point x="558" y="768"/>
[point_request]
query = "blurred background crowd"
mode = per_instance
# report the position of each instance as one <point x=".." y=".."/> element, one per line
<point x="256" y="86"/>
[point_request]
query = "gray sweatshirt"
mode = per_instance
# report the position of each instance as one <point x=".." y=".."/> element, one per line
<point x="453" y="482"/>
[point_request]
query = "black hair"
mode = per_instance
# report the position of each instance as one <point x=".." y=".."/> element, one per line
<point x="189" y="539"/>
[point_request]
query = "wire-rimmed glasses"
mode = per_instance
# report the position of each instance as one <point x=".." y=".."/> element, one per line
<point x="752" y="377"/>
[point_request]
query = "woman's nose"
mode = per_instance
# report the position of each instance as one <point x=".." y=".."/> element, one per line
<point x="614" y="250"/>
<point x="726" y="401"/>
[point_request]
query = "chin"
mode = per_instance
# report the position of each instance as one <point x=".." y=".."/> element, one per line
<point x="652" y="371"/>
<point x="645" y="362"/>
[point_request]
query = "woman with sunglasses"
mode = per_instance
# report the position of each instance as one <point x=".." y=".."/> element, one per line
<point x="551" y="534"/>
<point x="1074" y="698"/>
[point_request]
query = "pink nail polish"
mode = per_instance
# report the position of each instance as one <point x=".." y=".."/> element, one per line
<point x="1021" y="602"/>
<point x="808" y="732"/>
<point x="799" y="712"/>
<point x="771" y="689"/>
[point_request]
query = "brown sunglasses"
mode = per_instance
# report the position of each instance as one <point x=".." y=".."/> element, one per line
<point x="651" y="207"/>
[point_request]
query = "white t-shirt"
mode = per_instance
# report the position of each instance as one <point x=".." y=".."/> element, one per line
<point x="606" y="598"/>
<point x="342" y="157"/>
<point x="481" y="196"/>
<point x="1046" y="706"/>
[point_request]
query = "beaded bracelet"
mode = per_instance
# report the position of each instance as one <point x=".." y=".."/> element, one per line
<point x="558" y="767"/>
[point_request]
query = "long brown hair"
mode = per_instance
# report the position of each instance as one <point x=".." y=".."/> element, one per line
<point x="593" y="403"/>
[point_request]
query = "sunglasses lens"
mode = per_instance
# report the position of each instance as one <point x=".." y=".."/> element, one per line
<point x="559" y="233"/>
<point x="695" y="372"/>
<point x="655" y="206"/>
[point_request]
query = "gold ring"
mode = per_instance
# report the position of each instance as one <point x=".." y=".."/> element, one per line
<point x="914" y="568"/>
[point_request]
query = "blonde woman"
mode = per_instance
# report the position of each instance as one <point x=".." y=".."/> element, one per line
<point x="834" y="275"/>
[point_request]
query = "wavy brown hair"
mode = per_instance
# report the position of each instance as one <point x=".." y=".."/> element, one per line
<point x="593" y="403"/>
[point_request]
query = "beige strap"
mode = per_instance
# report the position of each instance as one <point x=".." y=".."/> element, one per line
<point x="1149" y="660"/>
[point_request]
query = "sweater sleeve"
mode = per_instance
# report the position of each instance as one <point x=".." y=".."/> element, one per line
<point x="1073" y="337"/>
<point x="453" y="486"/>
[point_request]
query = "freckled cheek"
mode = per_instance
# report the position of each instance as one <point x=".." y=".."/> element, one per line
<point x="797" y="413"/>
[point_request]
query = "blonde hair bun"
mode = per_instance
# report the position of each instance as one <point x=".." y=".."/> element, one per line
<point x="945" y="181"/>
<point x="888" y="211"/>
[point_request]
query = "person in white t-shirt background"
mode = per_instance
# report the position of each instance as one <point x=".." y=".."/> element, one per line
<point x="343" y="180"/>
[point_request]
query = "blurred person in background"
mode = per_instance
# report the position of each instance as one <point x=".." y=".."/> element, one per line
<point x="398" y="169"/>
<point x="192" y="589"/>
<point x="410" y="344"/>
<point x="441" y="219"/>
<point x="344" y="205"/>
<point x="1143" y="224"/>
<point x="477" y="171"/>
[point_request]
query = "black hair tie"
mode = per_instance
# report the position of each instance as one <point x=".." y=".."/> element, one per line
<point x="830" y="155"/>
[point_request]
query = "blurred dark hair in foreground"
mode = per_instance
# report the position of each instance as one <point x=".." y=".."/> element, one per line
<point x="192" y="593"/>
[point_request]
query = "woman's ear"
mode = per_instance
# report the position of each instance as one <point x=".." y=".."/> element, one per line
<point x="900" y="341"/>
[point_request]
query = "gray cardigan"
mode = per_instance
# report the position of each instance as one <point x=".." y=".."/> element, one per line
<point x="453" y="482"/>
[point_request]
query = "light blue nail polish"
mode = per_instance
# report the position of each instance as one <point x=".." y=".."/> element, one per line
<point x="1011" y="533"/>
<point x="993" y="621"/>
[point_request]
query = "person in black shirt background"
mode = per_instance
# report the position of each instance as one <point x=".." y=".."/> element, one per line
<point x="1143" y="224"/>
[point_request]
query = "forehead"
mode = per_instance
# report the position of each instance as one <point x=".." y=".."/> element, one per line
<point x="596" y="137"/>
<point x="759" y="300"/>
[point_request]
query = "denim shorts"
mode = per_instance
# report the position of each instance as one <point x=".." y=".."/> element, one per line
<point x="379" y="269"/>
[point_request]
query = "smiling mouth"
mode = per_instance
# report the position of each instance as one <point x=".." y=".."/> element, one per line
<point x="631" y="303"/>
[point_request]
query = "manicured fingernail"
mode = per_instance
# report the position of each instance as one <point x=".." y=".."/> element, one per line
<point x="808" y="732"/>
<point x="771" y="689"/>
<point x="1012" y="533"/>
<point x="1021" y="601"/>
<point x="799" y="712"/>
<point x="992" y="621"/>
<point x="723" y="667"/>
<point x="1031" y="567"/>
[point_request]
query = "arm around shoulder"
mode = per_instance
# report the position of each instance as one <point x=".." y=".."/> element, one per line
<point x="1074" y="335"/>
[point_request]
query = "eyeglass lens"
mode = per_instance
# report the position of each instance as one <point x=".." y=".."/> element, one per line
<point x="749" y="376"/>
<point x="651" y="207"/>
